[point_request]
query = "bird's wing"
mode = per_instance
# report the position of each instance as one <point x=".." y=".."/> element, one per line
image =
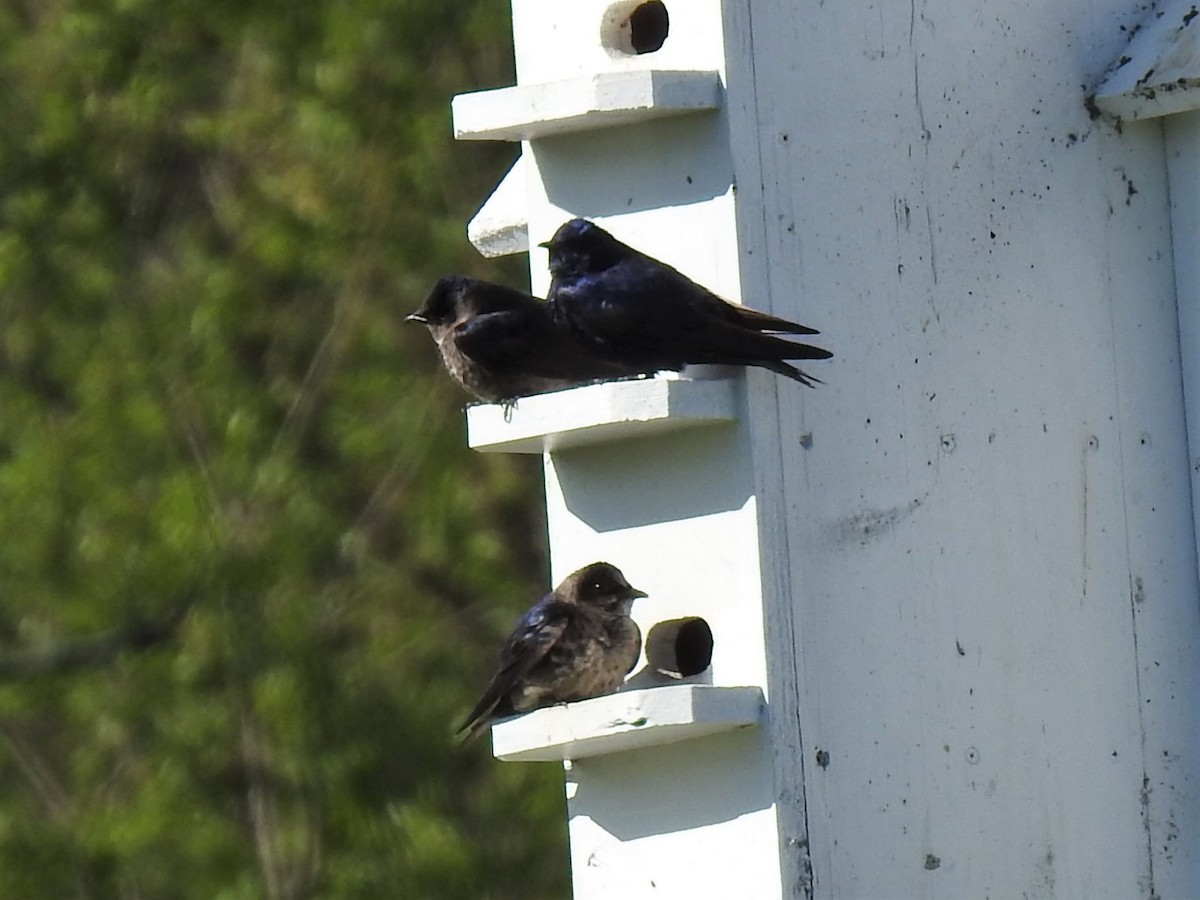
<point x="667" y="281"/>
<point x="703" y="302"/>
<point x="530" y="342"/>
<point x="628" y="302"/>
<point x="651" y="298"/>
<point x="500" y="338"/>
<point x="538" y="630"/>
<point x="761" y="321"/>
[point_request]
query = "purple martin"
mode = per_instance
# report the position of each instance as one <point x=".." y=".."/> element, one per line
<point x="634" y="309"/>
<point x="577" y="642"/>
<point x="501" y="343"/>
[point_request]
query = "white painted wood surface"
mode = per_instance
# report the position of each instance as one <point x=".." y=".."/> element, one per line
<point x="985" y="575"/>
<point x="582" y="103"/>
<point x="609" y="412"/>
<point x="501" y="226"/>
<point x="676" y="511"/>
<point x="1182" y="133"/>
<point x="628" y="720"/>
<point x="963" y="571"/>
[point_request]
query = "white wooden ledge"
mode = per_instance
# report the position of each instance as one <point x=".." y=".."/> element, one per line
<point x="577" y="104"/>
<point x="501" y="227"/>
<point x="599" y="413"/>
<point x="627" y="720"/>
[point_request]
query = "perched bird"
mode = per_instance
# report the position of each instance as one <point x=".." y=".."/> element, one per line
<point x="501" y="344"/>
<point x="633" y="309"/>
<point x="575" y="643"/>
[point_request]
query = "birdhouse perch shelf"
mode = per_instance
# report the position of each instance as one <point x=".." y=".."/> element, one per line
<point x="627" y="720"/>
<point x="600" y="413"/>
<point x="602" y="100"/>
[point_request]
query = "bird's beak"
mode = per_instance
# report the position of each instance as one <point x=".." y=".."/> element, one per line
<point x="635" y="594"/>
<point x="546" y="244"/>
<point x="417" y="317"/>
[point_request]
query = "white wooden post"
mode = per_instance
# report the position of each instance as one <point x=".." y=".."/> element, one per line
<point x="1158" y="75"/>
<point x="963" y="573"/>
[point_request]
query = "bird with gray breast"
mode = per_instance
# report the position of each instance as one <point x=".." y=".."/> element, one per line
<point x="575" y="643"/>
<point x="501" y="344"/>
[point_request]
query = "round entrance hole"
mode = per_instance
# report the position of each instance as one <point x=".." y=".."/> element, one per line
<point x="680" y="648"/>
<point x="634" y="28"/>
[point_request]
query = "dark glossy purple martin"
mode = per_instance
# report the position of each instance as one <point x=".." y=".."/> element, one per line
<point x="641" y="313"/>
<point x="576" y="643"/>
<point x="501" y="344"/>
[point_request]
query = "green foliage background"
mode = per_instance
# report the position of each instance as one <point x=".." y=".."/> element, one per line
<point x="250" y="576"/>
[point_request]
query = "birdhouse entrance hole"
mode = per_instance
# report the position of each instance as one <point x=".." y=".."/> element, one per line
<point x="680" y="648"/>
<point x="635" y="28"/>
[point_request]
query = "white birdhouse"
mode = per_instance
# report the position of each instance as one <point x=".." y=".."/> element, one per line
<point x="950" y="636"/>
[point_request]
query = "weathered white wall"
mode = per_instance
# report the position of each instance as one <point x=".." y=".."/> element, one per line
<point x="1182" y="133"/>
<point x="984" y="563"/>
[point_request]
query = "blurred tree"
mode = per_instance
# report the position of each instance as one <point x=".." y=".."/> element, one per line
<point x="250" y="576"/>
